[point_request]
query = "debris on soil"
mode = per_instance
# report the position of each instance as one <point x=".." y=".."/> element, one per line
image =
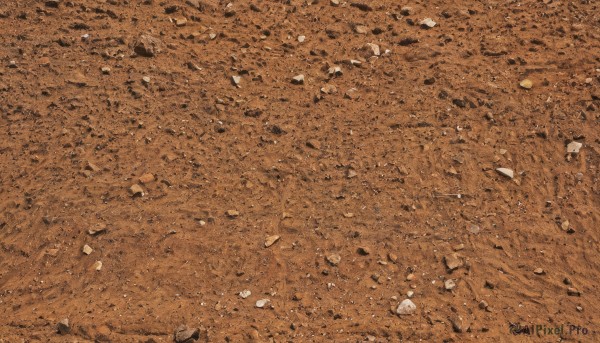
<point x="447" y="151"/>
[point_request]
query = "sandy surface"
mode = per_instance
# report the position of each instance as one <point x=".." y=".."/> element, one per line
<point x="378" y="177"/>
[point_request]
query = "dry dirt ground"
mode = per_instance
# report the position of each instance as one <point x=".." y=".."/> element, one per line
<point x="378" y="177"/>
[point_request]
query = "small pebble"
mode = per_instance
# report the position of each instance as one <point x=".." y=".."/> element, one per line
<point x="63" y="327"/>
<point x="136" y="190"/>
<point x="232" y="213"/>
<point x="427" y="23"/>
<point x="262" y="303"/>
<point x="146" y="178"/>
<point x="245" y="293"/>
<point x="453" y="261"/>
<point x="449" y="284"/>
<point x="97" y="265"/>
<point x="87" y="249"/>
<point x="527" y="84"/>
<point x="364" y="251"/>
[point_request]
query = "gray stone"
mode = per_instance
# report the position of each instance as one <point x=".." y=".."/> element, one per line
<point x="406" y="307"/>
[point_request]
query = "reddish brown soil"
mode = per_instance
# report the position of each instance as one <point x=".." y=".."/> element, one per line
<point x="327" y="173"/>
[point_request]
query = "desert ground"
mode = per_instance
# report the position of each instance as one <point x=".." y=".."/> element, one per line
<point x="299" y="171"/>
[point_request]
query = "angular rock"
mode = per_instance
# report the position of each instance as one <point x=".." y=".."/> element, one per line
<point x="574" y="147"/>
<point x="313" y="143"/>
<point x="427" y="23"/>
<point x="136" y="190"/>
<point x="232" y="213"/>
<point x="87" y="249"/>
<point x="245" y="293"/>
<point x="334" y="259"/>
<point x="235" y="79"/>
<point x="449" y="284"/>
<point x="352" y="94"/>
<point x="363" y="251"/>
<point x="92" y="167"/>
<point x="97" y="265"/>
<point x="506" y="172"/>
<point x="453" y="261"/>
<point x="271" y="240"/>
<point x="147" y="46"/>
<point x="184" y="334"/>
<point x="335" y="71"/>
<point x="406" y="307"/>
<point x="372" y="49"/>
<point x="298" y="79"/>
<point x="63" y="327"/>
